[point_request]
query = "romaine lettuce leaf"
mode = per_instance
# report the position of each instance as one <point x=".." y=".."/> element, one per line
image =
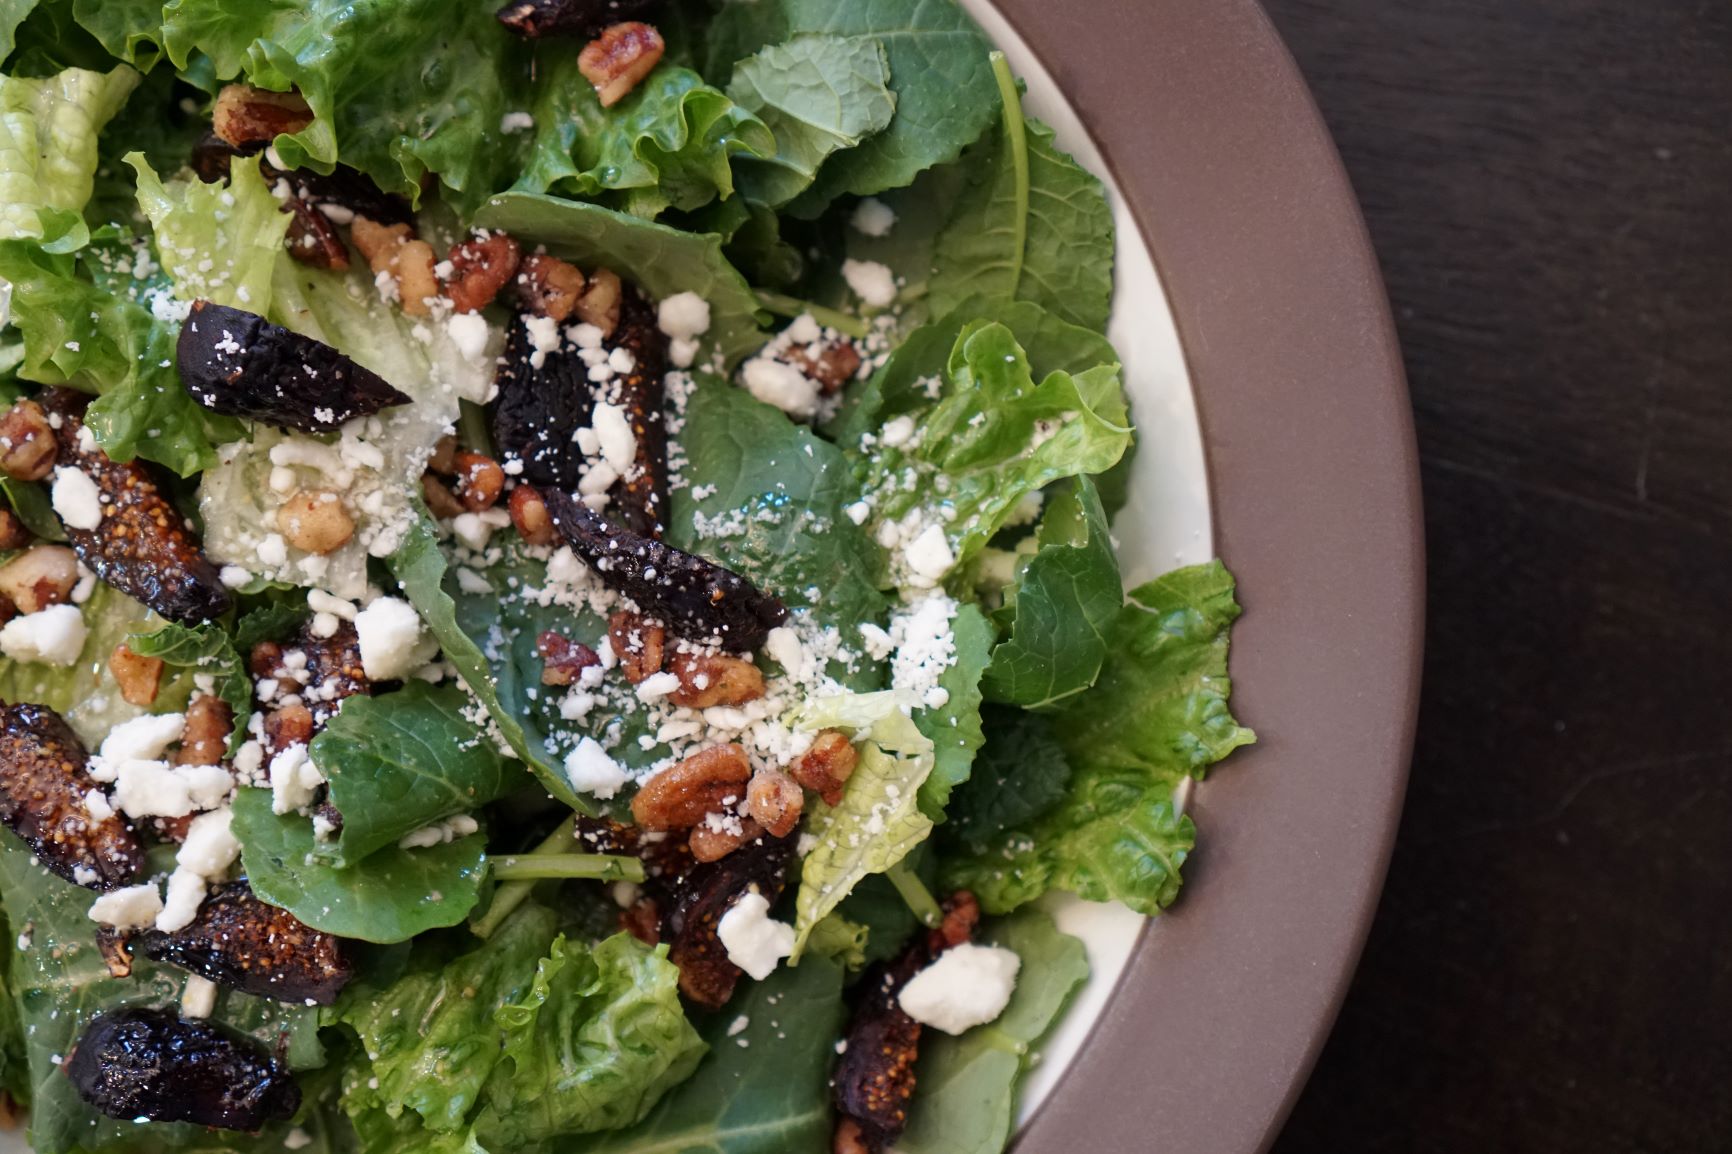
<point x="593" y="1045"/>
<point x="667" y="145"/>
<point x="129" y="29"/>
<point x="819" y="95"/>
<point x="218" y="242"/>
<point x="954" y="728"/>
<point x="967" y="1101"/>
<point x="48" y="150"/>
<point x="390" y="897"/>
<point x="1157" y="716"/>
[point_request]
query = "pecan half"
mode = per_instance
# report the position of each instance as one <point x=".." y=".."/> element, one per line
<point x="44" y="779"/>
<point x="529" y="516"/>
<point x="480" y="268"/>
<point x="314" y="521"/>
<point x="775" y="801"/>
<point x="549" y="287"/>
<point x="708" y="845"/>
<point x="205" y="740"/>
<point x="680" y="796"/>
<point x="831" y="365"/>
<point x="826" y="767"/>
<point x="27" y="443"/>
<point x="248" y="118"/>
<point x="638" y="644"/>
<point x="708" y="679"/>
<point x="564" y="659"/>
<point x="240" y="942"/>
<point x="139" y="677"/>
<point x="480" y="481"/>
<point x="14" y="534"/>
<point x="617" y="61"/>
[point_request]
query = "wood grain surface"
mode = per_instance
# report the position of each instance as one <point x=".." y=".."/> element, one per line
<point x="1549" y="185"/>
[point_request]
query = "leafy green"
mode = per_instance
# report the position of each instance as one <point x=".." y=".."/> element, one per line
<point x="819" y="95"/>
<point x="219" y="243"/>
<point x="390" y="897"/>
<point x="1033" y="225"/>
<point x="1020" y="774"/>
<point x="1065" y="601"/>
<point x="840" y="940"/>
<point x="663" y="260"/>
<point x="667" y="145"/>
<point x="206" y="649"/>
<point x="967" y="1101"/>
<point x="12" y="14"/>
<point x="1157" y="716"/>
<point x="400" y="88"/>
<point x="879" y="819"/>
<point x="129" y="29"/>
<point x="403" y="761"/>
<point x="954" y="727"/>
<point x="596" y="1042"/>
<point x="48" y="150"/>
<point x="763" y="1087"/>
<point x="876" y="904"/>
<point x="61" y="982"/>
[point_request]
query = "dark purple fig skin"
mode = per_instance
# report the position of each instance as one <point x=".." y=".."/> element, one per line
<point x="538" y="410"/>
<point x="692" y="597"/>
<point x="874" y="1078"/>
<point x="240" y="942"/>
<point x="642" y="500"/>
<point x="239" y="364"/>
<point x="344" y="187"/>
<point x="43" y="780"/>
<point x="143" y="1063"/>
<point x="536" y="18"/>
<point x="702" y="896"/>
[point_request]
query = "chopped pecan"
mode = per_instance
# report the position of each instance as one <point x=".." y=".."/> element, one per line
<point x="441" y="501"/>
<point x="139" y="677"/>
<point x="826" y="767"/>
<point x="637" y="643"/>
<point x="142" y="546"/>
<point x="444" y="458"/>
<point x="679" y="797"/>
<point x="313" y="239"/>
<point x="616" y="61"/>
<point x="205" y="740"/>
<point x="831" y="365"/>
<point x="248" y="118"/>
<point x="529" y="515"/>
<point x="44" y="780"/>
<point x="534" y="18"/>
<point x="549" y="287"/>
<point x="708" y="679"/>
<point x="314" y="520"/>
<point x="480" y="268"/>
<point x="391" y="250"/>
<point x="134" y="1063"/>
<point x="288" y="725"/>
<point x="42" y="577"/>
<point x="240" y="942"/>
<point x="601" y="301"/>
<point x="14" y="534"/>
<point x="707" y="977"/>
<point x="709" y="844"/>
<point x="480" y="481"/>
<point x="564" y="659"/>
<point x="27" y="443"/>
<point x="774" y="800"/>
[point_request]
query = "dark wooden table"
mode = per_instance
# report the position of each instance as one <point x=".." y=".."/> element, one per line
<point x="1549" y="184"/>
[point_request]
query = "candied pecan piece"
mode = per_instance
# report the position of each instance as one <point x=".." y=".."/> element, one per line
<point x="142" y="546"/>
<point x="643" y="921"/>
<point x="707" y="977"/>
<point x="564" y="659"/>
<point x="535" y="18"/>
<point x="708" y="679"/>
<point x="27" y="443"/>
<point x="713" y="843"/>
<point x="139" y="677"/>
<point x="692" y="597"/>
<point x="616" y="61"/>
<point x="240" y="942"/>
<point x="637" y="643"/>
<point x="288" y="725"/>
<point x="44" y="779"/>
<point x="775" y="800"/>
<point x="826" y="767"/>
<point x="544" y="399"/>
<point x="315" y="521"/>
<point x="313" y="239"/>
<point x="248" y="118"/>
<point x="602" y="301"/>
<point x="961" y="919"/>
<point x="205" y="740"/>
<point x="444" y="458"/>
<point x="392" y="250"/>
<point x="480" y="267"/>
<point x="42" y="577"/>
<point x="480" y="481"/>
<point x="831" y="365"/>
<point x="549" y="287"/>
<point x="136" y="1063"/>
<point x="441" y="501"/>
<point x="678" y="797"/>
<point x="641" y="496"/>
<point x="529" y="516"/>
<point x="240" y="364"/>
<point x="14" y="535"/>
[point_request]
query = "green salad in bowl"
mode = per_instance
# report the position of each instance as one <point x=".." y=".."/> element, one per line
<point x="557" y="586"/>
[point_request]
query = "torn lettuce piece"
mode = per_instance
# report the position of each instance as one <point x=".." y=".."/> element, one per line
<point x="1157" y="716"/>
<point x="1020" y="774"/>
<point x="204" y="649"/>
<point x="217" y="242"/>
<point x="668" y="145"/>
<point x="954" y="728"/>
<point x="48" y="151"/>
<point x="879" y="819"/>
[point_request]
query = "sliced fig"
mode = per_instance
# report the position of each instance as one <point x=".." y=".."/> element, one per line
<point x="143" y="1063"/>
<point x="334" y="671"/>
<point x="540" y="408"/>
<point x="238" y="363"/>
<point x="642" y="497"/>
<point x="342" y="188"/>
<point x="693" y="597"/>
<point x="44" y="778"/>
<point x="701" y="897"/>
<point x="240" y="942"/>
<point x="142" y="546"/>
<point x="537" y="18"/>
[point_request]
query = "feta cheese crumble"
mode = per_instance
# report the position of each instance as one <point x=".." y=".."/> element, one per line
<point x="76" y="498"/>
<point x="127" y="908"/>
<point x="873" y="218"/>
<point x="389" y="630"/>
<point x="872" y="282"/>
<point x="967" y="986"/>
<point x="592" y="771"/>
<point x="755" y="941"/>
<point x="53" y="636"/>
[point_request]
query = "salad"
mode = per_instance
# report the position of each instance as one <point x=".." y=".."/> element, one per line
<point x="557" y="580"/>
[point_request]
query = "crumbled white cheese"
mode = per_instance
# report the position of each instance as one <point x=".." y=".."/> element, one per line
<point x="873" y="218"/>
<point x="144" y="738"/>
<point x="592" y="771"/>
<point x="785" y="648"/>
<point x="781" y="385"/>
<point x="294" y="778"/>
<point x="878" y="643"/>
<point x="198" y="999"/>
<point x="925" y="648"/>
<point x="929" y="556"/>
<point x="97" y="805"/>
<point x="614" y="437"/>
<point x="544" y="336"/>
<point x="210" y="848"/>
<point x="684" y="316"/>
<point x="755" y="941"/>
<point x="158" y="789"/>
<point x="320" y="601"/>
<point x="53" y="636"/>
<point x="469" y="332"/>
<point x="967" y="986"/>
<point x="76" y="498"/>
<point x="897" y="432"/>
<point x="296" y="1139"/>
<point x="516" y="122"/>
<point x="657" y="686"/>
<point x="872" y="282"/>
<point x="859" y="512"/>
<point x="127" y="908"/>
<point x="440" y="832"/>
<point x="235" y="577"/>
<point x="390" y="633"/>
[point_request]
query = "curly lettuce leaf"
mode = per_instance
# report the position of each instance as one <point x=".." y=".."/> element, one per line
<point x="1061" y="606"/>
<point x="1157" y="716"/>
<point x="1020" y="774"/>
<point x="1033" y="225"/>
<point x="400" y="762"/>
<point x="663" y="260"/>
<point x="819" y="95"/>
<point x="48" y="150"/>
<point x="390" y="897"/>
<point x="763" y="1087"/>
<point x="666" y="146"/>
<point x="130" y="29"/>
<point x="206" y="649"/>
<point x="217" y="242"/>
<point x="967" y="1101"/>
<point x="399" y="88"/>
<point x="596" y="1042"/>
<point x="954" y="728"/>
